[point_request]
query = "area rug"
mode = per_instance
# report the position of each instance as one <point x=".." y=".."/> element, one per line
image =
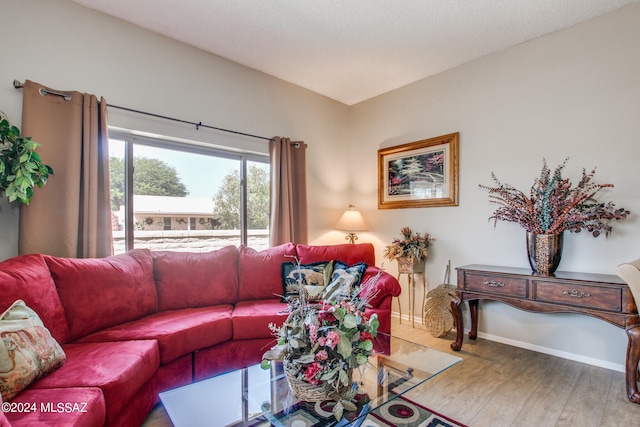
<point x="402" y="412"/>
<point x="399" y="412"/>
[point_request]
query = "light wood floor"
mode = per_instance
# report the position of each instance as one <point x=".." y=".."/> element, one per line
<point x="499" y="385"/>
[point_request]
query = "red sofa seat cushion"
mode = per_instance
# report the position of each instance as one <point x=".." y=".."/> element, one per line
<point x="229" y="356"/>
<point x="27" y="278"/>
<point x="189" y="279"/>
<point x="251" y="318"/>
<point x="178" y="332"/>
<point x="119" y="369"/>
<point x="259" y="272"/>
<point x="101" y="292"/>
<point x="72" y="407"/>
<point x="347" y="253"/>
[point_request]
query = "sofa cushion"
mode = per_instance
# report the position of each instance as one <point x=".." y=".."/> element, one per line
<point x="347" y="253"/>
<point x="188" y="279"/>
<point x="27" y="277"/>
<point x="178" y="332"/>
<point x="100" y="292"/>
<point x="229" y="356"/>
<point x="119" y="369"/>
<point x="259" y="272"/>
<point x="313" y="277"/>
<point x="344" y="279"/>
<point x="72" y="407"/>
<point x="251" y="318"/>
<point x="27" y="350"/>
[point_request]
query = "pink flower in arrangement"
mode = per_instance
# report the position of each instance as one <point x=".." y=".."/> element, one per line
<point x="313" y="333"/>
<point x="322" y="341"/>
<point x="322" y="355"/>
<point x="332" y="339"/>
<point x="311" y="372"/>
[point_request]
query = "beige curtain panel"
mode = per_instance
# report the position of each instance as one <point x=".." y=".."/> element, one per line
<point x="288" y="213"/>
<point x="71" y="215"/>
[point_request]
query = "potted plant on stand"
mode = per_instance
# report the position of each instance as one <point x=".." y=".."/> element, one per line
<point x="21" y="168"/>
<point x="553" y="206"/>
<point x="410" y="252"/>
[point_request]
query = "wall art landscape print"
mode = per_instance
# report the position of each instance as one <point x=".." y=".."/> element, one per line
<point x="419" y="174"/>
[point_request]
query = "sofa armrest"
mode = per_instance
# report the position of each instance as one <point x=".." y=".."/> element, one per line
<point x="385" y="285"/>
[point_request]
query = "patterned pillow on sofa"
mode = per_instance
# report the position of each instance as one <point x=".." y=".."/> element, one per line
<point x="344" y="279"/>
<point x="27" y="350"/>
<point x="313" y="277"/>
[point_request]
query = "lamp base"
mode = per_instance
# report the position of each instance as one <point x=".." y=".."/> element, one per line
<point x="351" y="237"/>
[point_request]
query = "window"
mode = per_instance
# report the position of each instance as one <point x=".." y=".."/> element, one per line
<point x="186" y="197"/>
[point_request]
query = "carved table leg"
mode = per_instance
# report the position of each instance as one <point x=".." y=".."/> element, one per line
<point x="473" y="312"/>
<point x="456" y="310"/>
<point x="631" y="369"/>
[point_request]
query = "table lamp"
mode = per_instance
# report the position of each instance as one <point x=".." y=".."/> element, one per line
<point x="351" y="221"/>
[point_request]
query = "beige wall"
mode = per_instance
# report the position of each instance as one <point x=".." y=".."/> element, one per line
<point x="574" y="93"/>
<point x="68" y="47"/>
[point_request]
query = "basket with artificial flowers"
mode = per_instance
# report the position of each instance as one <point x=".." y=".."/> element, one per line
<point x="320" y="344"/>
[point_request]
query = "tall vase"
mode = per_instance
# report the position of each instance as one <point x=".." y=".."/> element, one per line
<point x="545" y="252"/>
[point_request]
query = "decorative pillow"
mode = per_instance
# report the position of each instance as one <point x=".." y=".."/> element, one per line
<point x="27" y="350"/>
<point x="313" y="277"/>
<point x="343" y="280"/>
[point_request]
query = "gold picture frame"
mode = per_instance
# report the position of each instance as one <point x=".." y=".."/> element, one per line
<point x="419" y="174"/>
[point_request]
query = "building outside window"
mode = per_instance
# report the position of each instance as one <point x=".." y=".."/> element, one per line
<point x="186" y="197"/>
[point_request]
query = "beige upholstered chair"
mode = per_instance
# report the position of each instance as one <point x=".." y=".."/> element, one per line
<point x="630" y="273"/>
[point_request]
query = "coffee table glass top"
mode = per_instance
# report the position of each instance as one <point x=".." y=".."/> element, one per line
<point x="256" y="397"/>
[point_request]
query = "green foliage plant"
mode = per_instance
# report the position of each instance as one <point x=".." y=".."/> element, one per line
<point x="554" y="204"/>
<point x="21" y="168"/>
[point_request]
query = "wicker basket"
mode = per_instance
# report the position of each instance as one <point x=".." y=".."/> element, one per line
<point x="306" y="392"/>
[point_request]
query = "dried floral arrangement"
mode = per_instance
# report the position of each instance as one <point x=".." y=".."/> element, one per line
<point x="411" y="244"/>
<point x="554" y="204"/>
<point x="320" y="343"/>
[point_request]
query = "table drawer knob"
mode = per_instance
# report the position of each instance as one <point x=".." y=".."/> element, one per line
<point x="575" y="293"/>
<point x="493" y="283"/>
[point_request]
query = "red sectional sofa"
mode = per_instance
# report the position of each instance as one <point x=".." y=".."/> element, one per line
<point x="139" y="323"/>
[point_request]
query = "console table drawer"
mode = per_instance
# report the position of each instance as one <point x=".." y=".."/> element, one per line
<point x="592" y="296"/>
<point x="494" y="284"/>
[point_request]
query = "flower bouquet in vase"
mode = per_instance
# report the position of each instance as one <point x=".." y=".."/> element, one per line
<point x="321" y="343"/>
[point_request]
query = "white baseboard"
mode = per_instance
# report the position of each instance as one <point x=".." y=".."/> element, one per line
<point x="528" y="346"/>
<point x="553" y="352"/>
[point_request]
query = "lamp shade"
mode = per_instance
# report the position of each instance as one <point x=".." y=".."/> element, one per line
<point x="351" y="220"/>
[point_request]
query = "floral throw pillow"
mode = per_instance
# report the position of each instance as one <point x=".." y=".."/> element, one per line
<point x="27" y="350"/>
<point x="313" y="277"/>
<point x="344" y="279"/>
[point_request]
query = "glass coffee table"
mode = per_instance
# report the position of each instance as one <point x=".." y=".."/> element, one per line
<point x="256" y="397"/>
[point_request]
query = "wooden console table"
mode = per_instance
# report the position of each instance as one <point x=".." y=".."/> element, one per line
<point x="604" y="296"/>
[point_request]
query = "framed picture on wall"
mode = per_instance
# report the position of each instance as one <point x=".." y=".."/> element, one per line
<point x="419" y="174"/>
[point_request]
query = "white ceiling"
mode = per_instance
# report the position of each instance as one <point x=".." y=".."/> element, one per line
<point x="353" y="50"/>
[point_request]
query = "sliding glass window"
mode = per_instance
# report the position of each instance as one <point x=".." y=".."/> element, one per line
<point x="168" y="195"/>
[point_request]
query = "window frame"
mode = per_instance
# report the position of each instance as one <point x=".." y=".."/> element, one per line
<point x="131" y="138"/>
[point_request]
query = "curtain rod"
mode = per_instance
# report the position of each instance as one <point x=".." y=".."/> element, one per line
<point x="19" y="85"/>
